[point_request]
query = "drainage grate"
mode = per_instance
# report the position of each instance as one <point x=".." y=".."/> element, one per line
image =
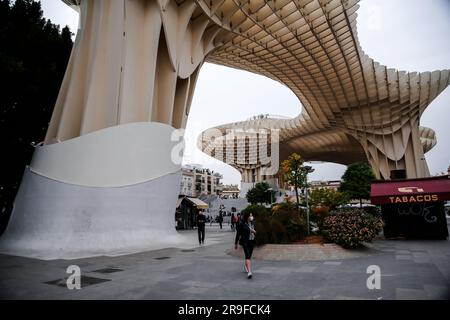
<point x="108" y="270"/>
<point x="85" y="281"/>
<point x="162" y="258"/>
<point x="188" y="250"/>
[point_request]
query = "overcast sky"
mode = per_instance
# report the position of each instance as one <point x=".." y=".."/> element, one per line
<point x="411" y="35"/>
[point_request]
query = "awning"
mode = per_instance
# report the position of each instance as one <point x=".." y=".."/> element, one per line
<point x="198" y="203"/>
<point x="411" y="191"/>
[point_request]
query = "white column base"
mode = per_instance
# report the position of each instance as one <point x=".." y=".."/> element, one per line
<point x="111" y="192"/>
<point x="55" y="220"/>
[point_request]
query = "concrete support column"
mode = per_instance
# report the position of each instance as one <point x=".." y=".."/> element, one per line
<point x="132" y="61"/>
<point x="106" y="181"/>
<point x="401" y="149"/>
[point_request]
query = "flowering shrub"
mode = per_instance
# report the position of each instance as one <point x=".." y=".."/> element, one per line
<point x="351" y="228"/>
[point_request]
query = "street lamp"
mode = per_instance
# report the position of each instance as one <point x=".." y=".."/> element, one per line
<point x="307" y="169"/>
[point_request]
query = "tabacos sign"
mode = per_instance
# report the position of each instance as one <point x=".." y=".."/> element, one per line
<point x="413" y="198"/>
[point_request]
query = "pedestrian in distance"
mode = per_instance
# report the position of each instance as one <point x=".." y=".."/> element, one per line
<point x="245" y="236"/>
<point x="201" y="219"/>
<point x="220" y="220"/>
<point x="233" y="222"/>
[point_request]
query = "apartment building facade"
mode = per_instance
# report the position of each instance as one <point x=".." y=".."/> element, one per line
<point x="197" y="181"/>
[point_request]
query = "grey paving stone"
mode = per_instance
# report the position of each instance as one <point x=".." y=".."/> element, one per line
<point x="304" y="269"/>
<point x="403" y="257"/>
<point x="410" y="294"/>
<point x="351" y="298"/>
<point x="196" y="290"/>
<point x="437" y="292"/>
<point x="202" y="284"/>
<point x="410" y="270"/>
<point x="267" y="269"/>
<point x="333" y="263"/>
<point x="421" y="259"/>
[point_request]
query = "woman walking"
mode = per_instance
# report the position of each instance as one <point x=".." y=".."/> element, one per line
<point x="245" y="235"/>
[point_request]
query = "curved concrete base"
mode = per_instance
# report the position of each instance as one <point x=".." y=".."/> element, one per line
<point x="56" y="220"/>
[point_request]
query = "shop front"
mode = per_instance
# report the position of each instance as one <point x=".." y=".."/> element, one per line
<point x="187" y="211"/>
<point x="413" y="208"/>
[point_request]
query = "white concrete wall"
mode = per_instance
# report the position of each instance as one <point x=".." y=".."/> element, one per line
<point x="55" y="220"/>
<point x="109" y="192"/>
<point x="117" y="156"/>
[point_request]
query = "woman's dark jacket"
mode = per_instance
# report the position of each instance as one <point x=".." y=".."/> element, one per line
<point x="242" y="233"/>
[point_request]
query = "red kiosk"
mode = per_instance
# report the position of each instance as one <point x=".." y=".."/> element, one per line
<point x="413" y="208"/>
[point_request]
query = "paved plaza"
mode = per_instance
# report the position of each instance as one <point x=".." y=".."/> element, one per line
<point x="409" y="270"/>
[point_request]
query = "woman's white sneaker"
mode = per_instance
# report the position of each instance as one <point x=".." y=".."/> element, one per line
<point x="249" y="275"/>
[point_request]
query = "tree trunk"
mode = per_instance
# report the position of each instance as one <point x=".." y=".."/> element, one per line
<point x="296" y="195"/>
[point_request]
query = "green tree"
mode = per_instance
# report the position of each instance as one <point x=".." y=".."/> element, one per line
<point x="329" y="198"/>
<point x="260" y="193"/>
<point x="356" y="181"/>
<point x="33" y="58"/>
<point x="294" y="173"/>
